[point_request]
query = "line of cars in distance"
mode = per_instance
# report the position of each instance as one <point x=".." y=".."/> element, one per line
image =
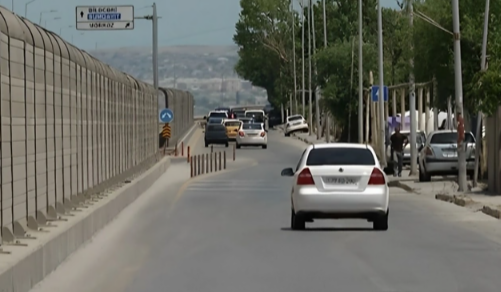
<point x="246" y="129"/>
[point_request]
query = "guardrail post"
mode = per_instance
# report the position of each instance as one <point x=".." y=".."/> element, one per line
<point x="224" y="160"/>
<point x="220" y="160"/>
<point x="188" y="154"/>
<point x="192" y="173"/>
<point x="211" y="162"/>
<point x="182" y="148"/>
<point x="175" y="150"/>
<point x="198" y="164"/>
<point x="203" y="164"/>
<point x="207" y="164"/>
<point x="234" y="151"/>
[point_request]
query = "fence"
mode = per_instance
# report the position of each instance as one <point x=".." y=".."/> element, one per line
<point x="71" y="125"/>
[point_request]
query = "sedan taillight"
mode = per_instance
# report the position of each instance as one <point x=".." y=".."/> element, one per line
<point x="263" y="134"/>
<point x="377" y="177"/>
<point x="305" y="178"/>
<point x="428" y="151"/>
<point x="241" y="133"/>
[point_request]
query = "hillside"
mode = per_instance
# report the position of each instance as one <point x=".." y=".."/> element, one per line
<point x="206" y="71"/>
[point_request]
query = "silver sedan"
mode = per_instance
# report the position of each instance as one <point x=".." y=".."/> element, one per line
<point x="252" y="134"/>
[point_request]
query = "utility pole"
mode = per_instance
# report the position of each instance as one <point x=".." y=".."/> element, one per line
<point x="154" y="18"/>
<point x="458" y="80"/>
<point x="294" y="55"/>
<point x="303" y="97"/>
<point x="412" y="96"/>
<point x="317" y="88"/>
<point x="381" y="87"/>
<point x="483" y="67"/>
<point x="327" y="114"/>
<point x="310" y="108"/>
<point x="360" y="77"/>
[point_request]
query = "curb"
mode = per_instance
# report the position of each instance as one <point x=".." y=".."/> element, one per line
<point x="461" y="201"/>
<point x="494" y="212"/>
<point x="491" y="211"/>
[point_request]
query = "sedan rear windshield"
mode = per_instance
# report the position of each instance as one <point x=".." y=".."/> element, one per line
<point x="340" y="156"/>
<point x="215" y="128"/>
<point x="217" y="115"/>
<point x="295" y="118"/>
<point x="450" y="138"/>
<point x="252" y="127"/>
<point x="232" y="124"/>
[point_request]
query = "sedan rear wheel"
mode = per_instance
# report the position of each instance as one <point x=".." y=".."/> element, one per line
<point x="297" y="221"/>
<point x="381" y="223"/>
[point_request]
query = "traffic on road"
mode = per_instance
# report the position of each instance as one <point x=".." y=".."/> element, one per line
<point x="293" y="217"/>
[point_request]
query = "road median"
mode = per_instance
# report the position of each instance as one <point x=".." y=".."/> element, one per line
<point x="30" y="261"/>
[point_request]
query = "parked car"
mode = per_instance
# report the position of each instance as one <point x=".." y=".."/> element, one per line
<point x="295" y="123"/>
<point x="439" y="155"/>
<point x="216" y="134"/>
<point x="420" y="141"/>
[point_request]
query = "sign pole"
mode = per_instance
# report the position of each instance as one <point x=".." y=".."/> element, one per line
<point x="381" y="88"/>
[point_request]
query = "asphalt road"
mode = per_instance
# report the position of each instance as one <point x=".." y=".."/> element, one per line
<point x="230" y="233"/>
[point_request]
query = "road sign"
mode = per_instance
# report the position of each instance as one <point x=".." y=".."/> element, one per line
<point x="165" y="115"/>
<point x="166" y="131"/>
<point x="119" y="17"/>
<point x="375" y="93"/>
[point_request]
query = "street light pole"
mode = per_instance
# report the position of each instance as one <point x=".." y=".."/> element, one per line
<point x="303" y="97"/>
<point x="483" y="67"/>
<point x="294" y="55"/>
<point x="381" y="87"/>
<point x="310" y="97"/>
<point x="458" y="80"/>
<point x="360" y="77"/>
<point x="154" y="18"/>
<point x="26" y="8"/>
<point x="317" y="88"/>
<point x="412" y="96"/>
<point x="327" y="114"/>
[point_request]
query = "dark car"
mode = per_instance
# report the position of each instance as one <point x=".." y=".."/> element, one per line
<point x="215" y="121"/>
<point x="216" y="134"/>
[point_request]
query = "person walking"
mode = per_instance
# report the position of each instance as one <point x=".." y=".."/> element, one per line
<point x="398" y="143"/>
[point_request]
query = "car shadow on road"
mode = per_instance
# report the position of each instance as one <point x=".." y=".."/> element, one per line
<point x="330" y="229"/>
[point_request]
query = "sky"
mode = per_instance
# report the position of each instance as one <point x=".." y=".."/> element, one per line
<point x="183" y="22"/>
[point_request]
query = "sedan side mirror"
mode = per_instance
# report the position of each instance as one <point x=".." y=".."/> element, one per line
<point x="287" y="172"/>
<point x="205" y="117"/>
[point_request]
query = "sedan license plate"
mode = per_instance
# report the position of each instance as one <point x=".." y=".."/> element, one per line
<point x="450" y="154"/>
<point x="340" y="180"/>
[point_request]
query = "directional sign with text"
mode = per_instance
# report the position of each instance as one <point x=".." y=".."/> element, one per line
<point x="375" y="93"/>
<point x="165" y="115"/>
<point x="105" y="17"/>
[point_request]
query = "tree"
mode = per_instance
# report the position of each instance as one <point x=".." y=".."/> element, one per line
<point x="263" y="35"/>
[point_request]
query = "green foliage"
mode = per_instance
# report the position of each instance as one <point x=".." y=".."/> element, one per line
<point x="264" y="37"/>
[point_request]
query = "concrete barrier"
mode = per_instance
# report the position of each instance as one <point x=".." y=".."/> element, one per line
<point x="28" y="265"/>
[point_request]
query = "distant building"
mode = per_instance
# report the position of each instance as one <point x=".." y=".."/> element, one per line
<point x="246" y="85"/>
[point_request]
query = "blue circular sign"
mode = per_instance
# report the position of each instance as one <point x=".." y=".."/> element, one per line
<point x="166" y="115"/>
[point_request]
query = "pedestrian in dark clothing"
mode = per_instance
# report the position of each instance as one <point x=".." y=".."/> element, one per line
<point x="398" y="144"/>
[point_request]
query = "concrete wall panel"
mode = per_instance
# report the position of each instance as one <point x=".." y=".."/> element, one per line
<point x="70" y="124"/>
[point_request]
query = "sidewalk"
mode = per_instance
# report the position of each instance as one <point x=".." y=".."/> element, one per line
<point x="305" y="137"/>
<point x="440" y="188"/>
